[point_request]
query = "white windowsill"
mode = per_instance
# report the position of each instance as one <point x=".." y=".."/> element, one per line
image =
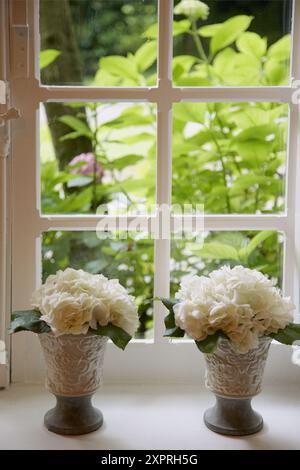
<point x="148" y="417"/>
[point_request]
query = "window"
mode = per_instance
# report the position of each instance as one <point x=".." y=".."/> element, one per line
<point x="196" y="128"/>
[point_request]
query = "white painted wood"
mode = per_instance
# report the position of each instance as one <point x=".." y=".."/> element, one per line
<point x="293" y="197"/>
<point x="149" y="417"/>
<point x="291" y="275"/>
<point x="25" y="191"/>
<point x="164" y="163"/>
<point x="4" y="213"/>
<point x="211" y="222"/>
<point x="153" y="94"/>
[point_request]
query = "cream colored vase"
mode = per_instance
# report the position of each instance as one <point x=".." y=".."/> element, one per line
<point x="74" y="371"/>
<point x="234" y="379"/>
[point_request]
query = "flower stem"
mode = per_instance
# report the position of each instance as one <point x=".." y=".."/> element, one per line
<point x="198" y="42"/>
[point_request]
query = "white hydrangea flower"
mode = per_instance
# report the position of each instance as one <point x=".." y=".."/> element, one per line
<point x="241" y="302"/>
<point x="193" y="9"/>
<point x="72" y="301"/>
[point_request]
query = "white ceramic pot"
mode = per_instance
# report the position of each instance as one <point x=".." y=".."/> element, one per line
<point x="74" y="371"/>
<point x="235" y="378"/>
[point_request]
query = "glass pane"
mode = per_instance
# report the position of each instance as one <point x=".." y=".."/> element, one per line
<point x="97" y="157"/>
<point x="232" y="43"/>
<point x="261" y="250"/>
<point x="126" y="257"/>
<point x="231" y="157"/>
<point x="97" y="42"/>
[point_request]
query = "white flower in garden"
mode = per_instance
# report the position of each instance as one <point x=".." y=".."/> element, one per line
<point x="72" y="301"/>
<point x="193" y="9"/>
<point x="241" y="302"/>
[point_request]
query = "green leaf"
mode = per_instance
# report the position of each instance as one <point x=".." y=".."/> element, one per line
<point x="218" y="251"/>
<point x="146" y="55"/>
<point x="252" y="44"/>
<point x="245" y="118"/>
<point x="210" y="344"/>
<point x="254" y="152"/>
<point x="229" y="32"/>
<point x="246" y="181"/>
<point x="245" y="252"/>
<point x="235" y="239"/>
<point x="127" y="120"/>
<point x="281" y="49"/>
<point x="97" y="265"/>
<point x="127" y="160"/>
<point x="189" y="112"/>
<point x="169" y="304"/>
<point x="172" y="330"/>
<point x="47" y="57"/>
<point x="151" y="32"/>
<point x="118" y="336"/>
<point x="136" y="138"/>
<point x="209" y="30"/>
<point x="77" y="125"/>
<point x="28" y="320"/>
<point x="179" y="27"/>
<point x="287" y="335"/>
<point x="70" y="136"/>
<point x="192" y="79"/>
<point x="185" y="62"/>
<point x="120" y="66"/>
<point x="276" y="72"/>
<point x="79" y="182"/>
<point x="256" y="133"/>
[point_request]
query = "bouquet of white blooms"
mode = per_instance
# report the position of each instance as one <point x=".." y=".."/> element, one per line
<point x="76" y="302"/>
<point x="237" y="303"/>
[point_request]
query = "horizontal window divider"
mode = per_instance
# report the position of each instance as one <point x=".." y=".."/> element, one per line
<point x="237" y="94"/>
<point x="91" y="222"/>
<point x="146" y="222"/>
<point x="66" y="93"/>
<point x="246" y="222"/>
<point x="165" y="93"/>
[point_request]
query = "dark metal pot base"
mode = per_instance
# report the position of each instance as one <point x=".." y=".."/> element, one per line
<point x="233" y="417"/>
<point x="73" y="416"/>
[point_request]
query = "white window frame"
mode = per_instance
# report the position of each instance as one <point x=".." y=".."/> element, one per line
<point x="4" y="190"/>
<point x="143" y="360"/>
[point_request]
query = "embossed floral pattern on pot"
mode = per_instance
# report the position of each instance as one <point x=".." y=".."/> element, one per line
<point x="74" y="363"/>
<point x="233" y="375"/>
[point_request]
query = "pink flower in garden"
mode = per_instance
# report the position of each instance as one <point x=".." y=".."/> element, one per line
<point x="88" y="168"/>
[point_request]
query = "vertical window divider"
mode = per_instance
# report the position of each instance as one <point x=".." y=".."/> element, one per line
<point x="25" y="173"/>
<point x="164" y="163"/>
<point x="292" y="249"/>
<point x="5" y="249"/>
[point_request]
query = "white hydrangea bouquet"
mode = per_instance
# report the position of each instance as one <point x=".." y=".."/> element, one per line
<point x="238" y="304"/>
<point x="78" y="303"/>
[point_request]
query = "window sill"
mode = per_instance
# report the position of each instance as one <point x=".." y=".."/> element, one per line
<point x="148" y="417"/>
